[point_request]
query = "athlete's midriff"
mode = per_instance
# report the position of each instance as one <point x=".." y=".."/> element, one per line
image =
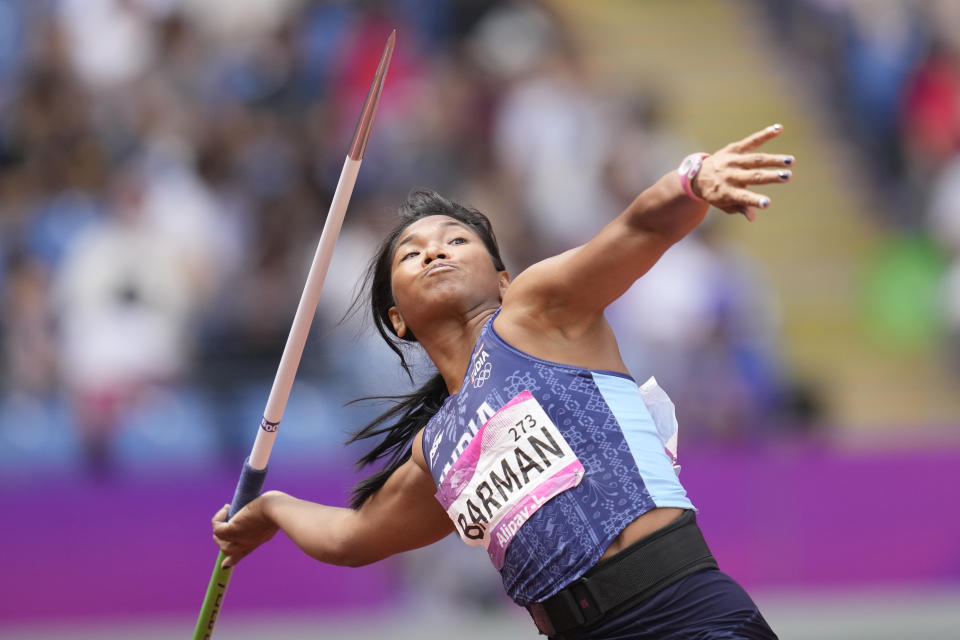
<point x="642" y="527"/>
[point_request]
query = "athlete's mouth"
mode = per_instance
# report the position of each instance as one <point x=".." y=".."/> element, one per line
<point x="439" y="267"/>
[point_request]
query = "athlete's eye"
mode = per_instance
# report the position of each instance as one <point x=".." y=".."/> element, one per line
<point x="408" y="255"/>
<point x="458" y="241"/>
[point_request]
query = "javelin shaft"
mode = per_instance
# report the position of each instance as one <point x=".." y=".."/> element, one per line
<point x="255" y="467"/>
<point x="293" y="351"/>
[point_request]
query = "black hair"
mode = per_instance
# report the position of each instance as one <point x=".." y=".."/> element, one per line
<point x="400" y="423"/>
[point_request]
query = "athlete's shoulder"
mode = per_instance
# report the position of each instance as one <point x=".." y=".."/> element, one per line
<point x="539" y="279"/>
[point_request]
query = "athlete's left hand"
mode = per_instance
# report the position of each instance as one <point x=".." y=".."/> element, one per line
<point x="724" y="176"/>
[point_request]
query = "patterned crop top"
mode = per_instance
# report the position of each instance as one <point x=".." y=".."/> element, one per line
<point x="544" y="464"/>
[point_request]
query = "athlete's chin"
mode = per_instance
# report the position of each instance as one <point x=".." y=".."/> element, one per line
<point x="444" y="283"/>
<point x="448" y="297"/>
<point x="443" y="296"/>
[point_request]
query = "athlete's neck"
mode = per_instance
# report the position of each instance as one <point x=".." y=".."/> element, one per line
<point x="449" y="344"/>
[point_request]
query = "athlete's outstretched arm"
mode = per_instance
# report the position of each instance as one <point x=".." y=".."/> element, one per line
<point x="576" y="286"/>
<point x="401" y="515"/>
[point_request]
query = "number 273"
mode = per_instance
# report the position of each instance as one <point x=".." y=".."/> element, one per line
<point x="524" y="423"/>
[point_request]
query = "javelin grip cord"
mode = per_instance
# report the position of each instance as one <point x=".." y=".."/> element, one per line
<point x="248" y="488"/>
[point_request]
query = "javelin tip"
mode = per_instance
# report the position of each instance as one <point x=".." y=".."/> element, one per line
<point x="362" y="133"/>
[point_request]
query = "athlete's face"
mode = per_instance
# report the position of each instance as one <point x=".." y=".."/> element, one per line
<point x="441" y="266"/>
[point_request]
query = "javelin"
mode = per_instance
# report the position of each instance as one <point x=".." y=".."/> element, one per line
<point x="255" y="467"/>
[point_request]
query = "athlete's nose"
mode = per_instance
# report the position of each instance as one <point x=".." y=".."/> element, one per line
<point x="433" y="251"/>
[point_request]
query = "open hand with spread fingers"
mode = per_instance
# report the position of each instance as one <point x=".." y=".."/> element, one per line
<point x="724" y="178"/>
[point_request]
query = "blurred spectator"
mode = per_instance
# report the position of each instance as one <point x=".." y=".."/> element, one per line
<point x="644" y="147"/>
<point x="27" y="321"/>
<point x="123" y="298"/>
<point x="943" y="214"/>
<point x="550" y="133"/>
<point x="13" y="28"/>
<point x="931" y="112"/>
<point x="944" y="221"/>
<point x="883" y="42"/>
<point x="110" y="42"/>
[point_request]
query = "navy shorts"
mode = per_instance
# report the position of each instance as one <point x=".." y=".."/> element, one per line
<point x="708" y="605"/>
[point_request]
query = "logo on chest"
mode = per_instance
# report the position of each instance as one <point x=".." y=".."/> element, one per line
<point x="481" y="368"/>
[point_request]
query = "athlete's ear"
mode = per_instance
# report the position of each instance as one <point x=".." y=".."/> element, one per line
<point x="503" y="281"/>
<point x="399" y="326"/>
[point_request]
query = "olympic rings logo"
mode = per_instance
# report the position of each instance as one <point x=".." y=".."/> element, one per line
<point x="482" y="376"/>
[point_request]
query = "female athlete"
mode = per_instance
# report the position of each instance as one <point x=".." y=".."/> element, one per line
<point x="532" y="440"/>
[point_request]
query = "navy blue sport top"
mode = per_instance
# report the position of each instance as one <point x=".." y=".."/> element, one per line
<point x="544" y="464"/>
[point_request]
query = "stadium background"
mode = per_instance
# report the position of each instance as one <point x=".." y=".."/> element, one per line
<point x="165" y="166"/>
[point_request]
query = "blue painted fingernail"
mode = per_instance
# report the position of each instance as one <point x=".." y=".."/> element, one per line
<point x="784" y="174"/>
<point x="788" y="160"/>
<point x="764" y="203"/>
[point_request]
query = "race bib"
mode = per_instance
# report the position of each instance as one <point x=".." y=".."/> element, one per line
<point x="517" y="461"/>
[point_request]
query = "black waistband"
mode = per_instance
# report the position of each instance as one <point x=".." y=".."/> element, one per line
<point x="631" y="576"/>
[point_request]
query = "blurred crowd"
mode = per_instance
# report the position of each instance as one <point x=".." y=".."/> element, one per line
<point x="165" y="170"/>
<point x="890" y="71"/>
